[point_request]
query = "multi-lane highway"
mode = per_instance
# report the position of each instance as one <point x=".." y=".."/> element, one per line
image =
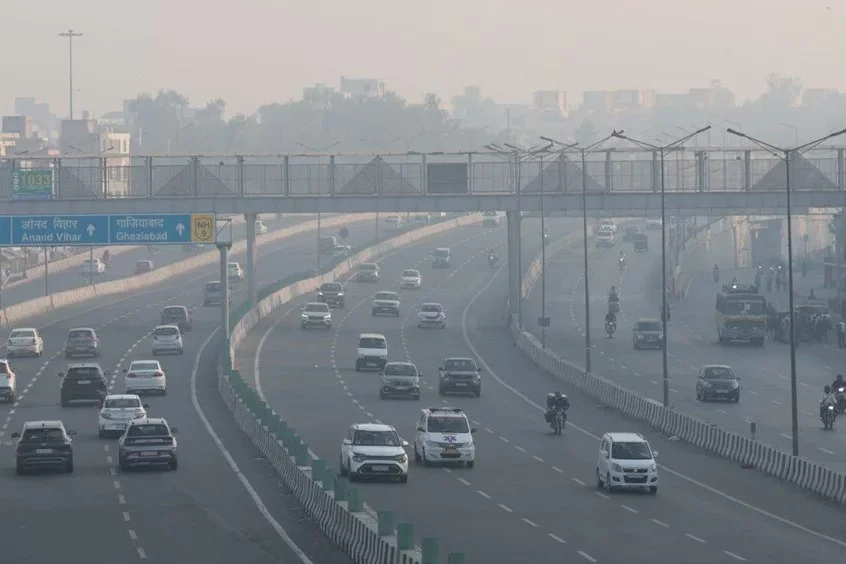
<point x="202" y="512"/>
<point x="531" y="495"/>
<point x="692" y="343"/>
<point x="123" y="265"/>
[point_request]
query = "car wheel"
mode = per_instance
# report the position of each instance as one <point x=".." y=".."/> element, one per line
<point x="357" y="366"/>
<point x="381" y="395"/>
<point x="478" y="392"/>
<point x="419" y="325"/>
<point x="441" y="392"/>
<point x="343" y="469"/>
<point x="737" y="398"/>
<point x="69" y="467"/>
<point x="174" y="465"/>
<point x="471" y="464"/>
<point x="181" y="351"/>
<point x="653" y="489"/>
<point x="417" y="458"/>
<point x="164" y="392"/>
<point x="124" y="467"/>
<point x="19" y="469"/>
<point x="102" y="434"/>
<point x="373" y="314"/>
<point x="608" y="487"/>
<point x="599" y="484"/>
<point x="698" y="395"/>
<point x="352" y="477"/>
<point x="403" y="479"/>
<point x="64" y="402"/>
<point x="423" y="457"/>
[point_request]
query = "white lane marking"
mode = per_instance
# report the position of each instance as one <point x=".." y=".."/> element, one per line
<point x="577" y="480"/>
<point x="283" y="534"/>
<point x="555" y="537"/>
<point x="629" y="509"/>
<point x="733" y="555"/>
<point x="506" y="508"/>
<point x="126" y="516"/>
<point x="503" y="439"/>
<point x="586" y="556"/>
<point x="660" y="523"/>
<point x="133" y="535"/>
<point x="483" y="494"/>
<point x="463" y="481"/>
<point x="141" y="554"/>
<point x="116" y="484"/>
<point x="602" y="495"/>
<point x="697" y="539"/>
<point x="559" y="470"/>
<point x="529" y="522"/>
<point x="788" y="437"/>
<point x="825" y="450"/>
<point x="121" y="499"/>
<point x="521" y="449"/>
<point x="675" y="473"/>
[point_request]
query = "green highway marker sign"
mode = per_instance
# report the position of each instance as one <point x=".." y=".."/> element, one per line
<point x="35" y="184"/>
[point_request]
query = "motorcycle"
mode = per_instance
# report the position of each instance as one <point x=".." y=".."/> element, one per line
<point x="840" y="394"/>
<point x="610" y="328"/>
<point x="559" y="419"/>
<point x="622" y="263"/>
<point x="492" y="260"/>
<point x="827" y="416"/>
<point x="716" y="276"/>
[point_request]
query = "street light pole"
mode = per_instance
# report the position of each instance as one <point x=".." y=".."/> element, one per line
<point x="665" y="310"/>
<point x="584" y="153"/>
<point x="70" y="34"/>
<point x="320" y="151"/>
<point x="785" y="154"/>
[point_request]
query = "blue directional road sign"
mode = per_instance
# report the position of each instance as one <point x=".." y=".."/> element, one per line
<point x="97" y="230"/>
<point x="161" y="229"/>
<point x="5" y="231"/>
<point x="59" y="230"/>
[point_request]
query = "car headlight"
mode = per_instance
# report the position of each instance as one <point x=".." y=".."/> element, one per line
<point x="640" y="337"/>
<point x="653" y="468"/>
<point x="359" y="457"/>
<point x="139" y="416"/>
<point x="616" y="468"/>
<point x="320" y="294"/>
<point x="706" y="384"/>
<point x="735" y="385"/>
<point x="106" y="415"/>
<point x="384" y="357"/>
<point x="401" y="458"/>
<point x="327" y="317"/>
<point x="360" y="356"/>
<point x="304" y="316"/>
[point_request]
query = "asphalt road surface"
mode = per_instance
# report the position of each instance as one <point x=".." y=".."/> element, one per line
<point x="531" y="494"/>
<point x="200" y="513"/>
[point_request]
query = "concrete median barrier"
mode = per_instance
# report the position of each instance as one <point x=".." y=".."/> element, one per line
<point x="802" y="472"/>
<point x="38" y="306"/>
<point x="328" y="499"/>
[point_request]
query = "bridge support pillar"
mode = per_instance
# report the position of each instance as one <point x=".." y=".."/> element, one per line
<point x="514" y="274"/>
<point x="251" y="257"/>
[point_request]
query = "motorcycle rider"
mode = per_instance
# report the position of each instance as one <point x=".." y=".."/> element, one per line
<point x="716" y="273"/>
<point x="827" y="399"/>
<point x="838" y="383"/>
<point x="613" y="296"/>
<point x="107" y="257"/>
<point x="492" y="256"/>
<point x="554" y="401"/>
<point x="622" y="259"/>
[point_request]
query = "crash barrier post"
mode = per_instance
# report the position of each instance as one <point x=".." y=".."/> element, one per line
<point x="338" y="509"/>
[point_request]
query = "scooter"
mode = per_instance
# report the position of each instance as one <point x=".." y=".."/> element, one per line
<point x="610" y="328"/>
<point x="492" y="260"/>
<point x="827" y="416"/>
<point x="558" y="421"/>
<point x="622" y="263"/>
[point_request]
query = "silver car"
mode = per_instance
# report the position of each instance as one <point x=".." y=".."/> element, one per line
<point x="167" y="339"/>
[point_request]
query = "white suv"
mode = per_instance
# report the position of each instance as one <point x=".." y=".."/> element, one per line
<point x="372" y="352"/>
<point x="626" y="461"/>
<point x="374" y="450"/>
<point x="444" y="435"/>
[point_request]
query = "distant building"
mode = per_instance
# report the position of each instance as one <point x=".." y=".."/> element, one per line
<point x="22" y="137"/>
<point x="43" y="120"/>
<point x="597" y="101"/>
<point x="319" y="95"/>
<point x="92" y="146"/>
<point x="552" y="101"/>
<point x="816" y="97"/>
<point x="715" y="96"/>
<point x="362" y="88"/>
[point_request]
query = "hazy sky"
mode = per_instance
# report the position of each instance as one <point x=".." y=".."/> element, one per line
<point x="251" y="52"/>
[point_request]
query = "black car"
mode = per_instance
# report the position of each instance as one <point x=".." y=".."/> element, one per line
<point x="717" y="382"/>
<point x="143" y="267"/>
<point x="331" y="293"/>
<point x="82" y="341"/>
<point x="460" y="376"/>
<point x="213" y="294"/>
<point x="641" y="243"/>
<point x="42" y="445"/>
<point x="83" y="381"/>
<point x="179" y="316"/>
<point x="148" y="442"/>
<point x="630" y="234"/>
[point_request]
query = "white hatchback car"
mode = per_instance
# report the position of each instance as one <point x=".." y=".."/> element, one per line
<point x="261" y="228"/>
<point x="24" y="341"/>
<point x="444" y="435"/>
<point x="626" y="461"/>
<point x="374" y="450"/>
<point x="411" y="279"/>
<point x="235" y="272"/>
<point x="167" y="339"/>
<point x="431" y="315"/>
<point x="145" y="376"/>
<point x="117" y="411"/>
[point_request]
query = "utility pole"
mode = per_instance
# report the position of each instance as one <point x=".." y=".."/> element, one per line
<point x="70" y="34"/>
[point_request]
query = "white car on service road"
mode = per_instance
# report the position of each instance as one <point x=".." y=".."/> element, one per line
<point x="167" y="339"/>
<point x="24" y="341"/>
<point x="431" y="315"/>
<point x="604" y="238"/>
<point x="411" y="279"/>
<point x="93" y="267"/>
<point x="117" y="411"/>
<point x="261" y="228"/>
<point x="654" y="224"/>
<point x="235" y="272"/>
<point x="444" y="435"/>
<point x="145" y="376"/>
<point x="374" y="450"/>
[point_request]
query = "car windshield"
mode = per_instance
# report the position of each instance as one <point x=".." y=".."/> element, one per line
<point x="331" y="288"/>
<point x="372" y="343"/>
<point x="410" y="273"/>
<point x="233" y="266"/>
<point x="386" y="296"/>
<point x="22" y="333"/>
<point x="214" y="286"/>
<point x="719" y="373"/>
<point x="400" y="370"/>
<point x="367" y="267"/>
<point x="84" y="372"/>
<point x="143" y="366"/>
<point x="90" y="261"/>
<point x="167" y="331"/>
<point x="174" y="311"/>
<point x="648" y="325"/>
<point x="4" y="368"/>
<point x="376" y="438"/>
<point x="43" y="435"/>
<point x="448" y="425"/>
<point x="317" y="307"/>
<point x="631" y="451"/>
<point x="744" y="307"/>
<point x="143" y="263"/>
<point x="430" y="308"/>
<point x="441" y="253"/>
<point x="148" y="430"/>
<point x="460" y="364"/>
<point x="80" y="335"/>
<point x="122" y="403"/>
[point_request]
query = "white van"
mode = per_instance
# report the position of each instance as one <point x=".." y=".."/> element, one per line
<point x="372" y="352"/>
<point x="626" y="461"/>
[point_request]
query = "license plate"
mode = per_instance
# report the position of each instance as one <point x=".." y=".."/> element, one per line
<point x="722" y="391"/>
<point x="450" y="449"/>
<point x="380" y="468"/>
<point x="149" y="453"/>
<point x="43" y="451"/>
<point x="461" y="385"/>
<point x="82" y="382"/>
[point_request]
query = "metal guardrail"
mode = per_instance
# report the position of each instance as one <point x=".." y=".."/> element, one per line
<point x="614" y="170"/>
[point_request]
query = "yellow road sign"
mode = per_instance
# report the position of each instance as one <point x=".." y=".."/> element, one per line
<point x="202" y="227"/>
